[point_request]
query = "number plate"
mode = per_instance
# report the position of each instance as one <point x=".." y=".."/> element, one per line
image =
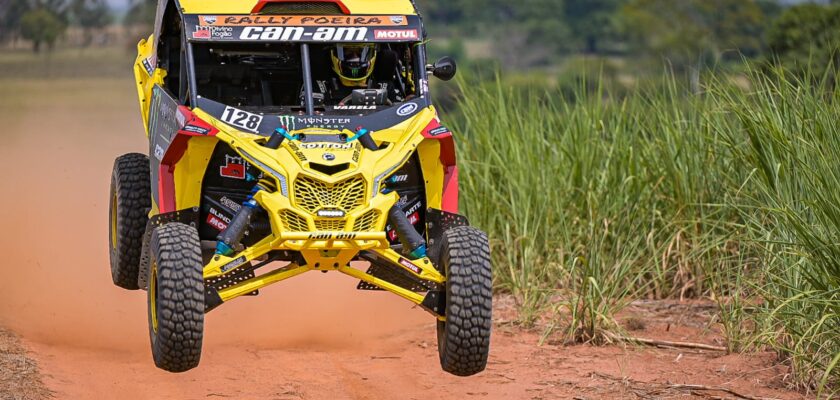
<point x="242" y="119"/>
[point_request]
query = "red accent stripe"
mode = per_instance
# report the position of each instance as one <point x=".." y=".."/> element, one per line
<point x="449" y="161"/>
<point x="262" y="3"/>
<point x="450" y="190"/>
<point x="166" y="174"/>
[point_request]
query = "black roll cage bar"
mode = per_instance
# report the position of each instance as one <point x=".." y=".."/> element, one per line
<point x="420" y="74"/>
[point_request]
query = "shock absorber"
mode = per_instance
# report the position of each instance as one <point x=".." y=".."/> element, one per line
<point x="231" y="237"/>
<point x="410" y="239"/>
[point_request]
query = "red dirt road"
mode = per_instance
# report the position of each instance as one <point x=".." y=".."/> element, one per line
<point x="314" y="337"/>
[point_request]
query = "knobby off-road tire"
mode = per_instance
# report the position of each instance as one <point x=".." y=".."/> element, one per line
<point x="130" y="201"/>
<point x="464" y="339"/>
<point x="176" y="297"/>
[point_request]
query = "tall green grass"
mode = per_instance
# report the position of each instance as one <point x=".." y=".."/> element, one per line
<point x="592" y="201"/>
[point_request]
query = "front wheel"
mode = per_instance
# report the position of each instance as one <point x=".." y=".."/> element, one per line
<point x="130" y="202"/>
<point x="176" y="297"/>
<point x="464" y="338"/>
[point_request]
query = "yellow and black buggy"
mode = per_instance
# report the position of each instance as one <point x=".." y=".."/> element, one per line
<point x="287" y="137"/>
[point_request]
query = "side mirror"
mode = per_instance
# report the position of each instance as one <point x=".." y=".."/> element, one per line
<point x="444" y="69"/>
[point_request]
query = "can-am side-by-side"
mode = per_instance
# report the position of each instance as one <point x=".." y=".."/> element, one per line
<point x="288" y="137"/>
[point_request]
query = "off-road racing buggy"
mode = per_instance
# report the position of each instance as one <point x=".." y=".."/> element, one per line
<point x="287" y="137"/>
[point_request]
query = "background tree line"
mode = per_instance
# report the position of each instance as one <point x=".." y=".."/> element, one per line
<point x="527" y="34"/>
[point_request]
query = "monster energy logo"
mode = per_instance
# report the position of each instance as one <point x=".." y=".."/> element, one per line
<point x="288" y="122"/>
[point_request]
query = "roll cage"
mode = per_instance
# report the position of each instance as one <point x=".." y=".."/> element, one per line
<point x="177" y="33"/>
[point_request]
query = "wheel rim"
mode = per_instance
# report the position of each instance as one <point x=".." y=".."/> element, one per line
<point x="153" y="298"/>
<point x="114" y="221"/>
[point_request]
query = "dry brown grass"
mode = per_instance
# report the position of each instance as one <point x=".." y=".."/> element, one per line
<point x="19" y="376"/>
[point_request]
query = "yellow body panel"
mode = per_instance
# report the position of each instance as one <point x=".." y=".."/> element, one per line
<point x="325" y="244"/>
<point x="361" y="7"/>
<point x="145" y="83"/>
<point x="325" y="250"/>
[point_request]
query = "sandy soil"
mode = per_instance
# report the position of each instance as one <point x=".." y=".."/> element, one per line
<point x="315" y="337"/>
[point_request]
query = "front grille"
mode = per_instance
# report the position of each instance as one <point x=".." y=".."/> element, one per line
<point x="301" y="8"/>
<point x="331" y="225"/>
<point x="293" y="222"/>
<point x="367" y="222"/>
<point x="312" y="194"/>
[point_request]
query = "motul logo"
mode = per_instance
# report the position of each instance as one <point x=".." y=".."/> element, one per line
<point x="400" y="34"/>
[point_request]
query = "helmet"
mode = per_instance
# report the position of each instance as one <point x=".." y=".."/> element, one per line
<point x="354" y="63"/>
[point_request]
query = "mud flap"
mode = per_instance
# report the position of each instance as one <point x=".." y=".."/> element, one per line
<point x="438" y="222"/>
<point x="187" y="217"/>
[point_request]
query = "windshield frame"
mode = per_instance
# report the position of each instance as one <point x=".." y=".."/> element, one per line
<point x="420" y="74"/>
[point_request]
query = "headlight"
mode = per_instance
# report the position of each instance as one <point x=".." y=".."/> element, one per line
<point x="281" y="179"/>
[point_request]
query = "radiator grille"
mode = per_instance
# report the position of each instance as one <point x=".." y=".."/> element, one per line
<point x="293" y="222"/>
<point x="367" y="222"/>
<point x="312" y="194"/>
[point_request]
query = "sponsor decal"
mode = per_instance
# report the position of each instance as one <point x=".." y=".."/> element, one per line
<point x="439" y="131"/>
<point x="301" y="20"/>
<point x="148" y="66"/>
<point x="335" y="146"/>
<point x="230" y="204"/>
<point x="287" y="122"/>
<point x="328" y="236"/>
<point x="396" y="34"/>
<point x="424" y="86"/>
<point x="398" y="178"/>
<point x="181" y="118"/>
<point x="213" y="32"/>
<point x="241" y="119"/>
<point x="195" y="129"/>
<point x="297" y="33"/>
<point x="234" y="167"/>
<point x="414" y="218"/>
<point x="338" y="108"/>
<point x="201" y="34"/>
<point x="217" y="223"/>
<point x="407" y="109"/>
<point x="233" y="264"/>
<point x="357" y="152"/>
<point x="329" y="157"/>
<point x="295" y="149"/>
<point x="414" y="209"/>
<point x="410" y="266"/>
<point x="159" y="152"/>
<point x="322" y="122"/>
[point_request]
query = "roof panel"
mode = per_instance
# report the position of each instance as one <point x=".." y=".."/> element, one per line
<point x="364" y="7"/>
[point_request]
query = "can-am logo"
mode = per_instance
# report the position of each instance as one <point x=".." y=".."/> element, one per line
<point x="396" y="34"/>
<point x="297" y="33"/>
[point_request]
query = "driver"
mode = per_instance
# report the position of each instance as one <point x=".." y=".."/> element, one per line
<point x="354" y="64"/>
<point x="361" y="66"/>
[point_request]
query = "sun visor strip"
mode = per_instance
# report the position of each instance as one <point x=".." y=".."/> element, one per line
<point x="384" y="119"/>
<point x="303" y="29"/>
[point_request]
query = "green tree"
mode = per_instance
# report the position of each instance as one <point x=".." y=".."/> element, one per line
<point x="592" y="21"/>
<point x="531" y="32"/>
<point x="807" y="34"/>
<point x="42" y="26"/>
<point x="693" y="33"/>
<point x="90" y="15"/>
<point x="141" y="12"/>
<point x="11" y="12"/>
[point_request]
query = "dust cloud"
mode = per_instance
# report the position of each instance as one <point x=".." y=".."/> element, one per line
<point x="60" y="140"/>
